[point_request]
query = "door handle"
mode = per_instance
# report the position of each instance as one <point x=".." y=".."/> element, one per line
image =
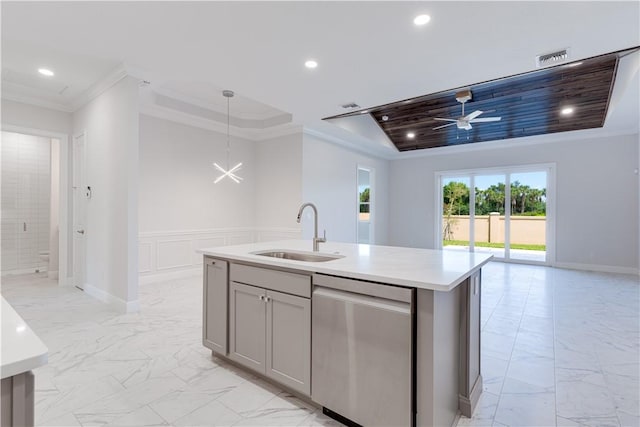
<point x="80" y="231"/>
<point x="24" y="226"/>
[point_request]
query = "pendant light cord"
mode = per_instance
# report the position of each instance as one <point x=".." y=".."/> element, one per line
<point x="228" y="137"/>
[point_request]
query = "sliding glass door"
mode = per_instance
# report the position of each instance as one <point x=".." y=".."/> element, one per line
<point x="502" y="212"/>
<point x="456" y="228"/>
<point x="528" y="236"/>
<point x="489" y="214"/>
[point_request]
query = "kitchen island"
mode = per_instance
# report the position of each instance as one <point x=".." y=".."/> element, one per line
<point x="20" y="351"/>
<point x="376" y="335"/>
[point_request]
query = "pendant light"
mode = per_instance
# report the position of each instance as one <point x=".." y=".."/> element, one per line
<point x="230" y="172"/>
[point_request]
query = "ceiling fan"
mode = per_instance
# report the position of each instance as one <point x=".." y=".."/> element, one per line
<point x="464" y="122"/>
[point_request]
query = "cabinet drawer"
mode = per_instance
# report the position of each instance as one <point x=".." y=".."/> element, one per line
<point x="282" y="281"/>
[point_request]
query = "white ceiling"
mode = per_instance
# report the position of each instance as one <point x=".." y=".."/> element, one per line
<point x="368" y="52"/>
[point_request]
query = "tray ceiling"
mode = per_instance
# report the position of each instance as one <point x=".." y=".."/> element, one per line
<point x="529" y="104"/>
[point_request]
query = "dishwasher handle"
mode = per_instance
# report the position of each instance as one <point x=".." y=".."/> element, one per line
<point x="365" y="300"/>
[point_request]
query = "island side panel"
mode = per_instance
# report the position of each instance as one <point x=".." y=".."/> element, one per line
<point x="470" y="376"/>
<point x="215" y="305"/>
<point x="18" y="400"/>
<point x="446" y="355"/>
<point x="437" y="357"/>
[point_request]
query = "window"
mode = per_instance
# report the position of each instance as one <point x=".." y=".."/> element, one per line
<point x="365" y="206"/>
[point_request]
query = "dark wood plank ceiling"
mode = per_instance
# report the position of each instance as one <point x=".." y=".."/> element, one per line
<point x="529" y="104"/>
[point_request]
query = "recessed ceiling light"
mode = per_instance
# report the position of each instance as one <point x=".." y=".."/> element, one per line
<point x="566" y="111"/>
<point x="311" y="63"/>
<point x="45" y="72"/>
<point x="411" y="135"/>
<point x="421" y="19"/>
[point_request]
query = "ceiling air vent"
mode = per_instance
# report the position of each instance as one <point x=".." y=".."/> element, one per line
<point x="552" y="58"/>
<point x="350" y="105"/>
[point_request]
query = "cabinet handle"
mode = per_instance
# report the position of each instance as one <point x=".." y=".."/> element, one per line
<point x="267" y="299"/>
<point x="261" y="297"/>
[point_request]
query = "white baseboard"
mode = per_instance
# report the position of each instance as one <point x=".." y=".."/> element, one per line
<point x="169" y="275"/>
<point x="31" y="270"/>
<point x="120" y="304"/>
<point x="65" y="281"/>
<point x="596" y="267"/>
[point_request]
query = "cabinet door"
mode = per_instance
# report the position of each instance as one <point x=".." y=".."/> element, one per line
<point x="289" y="340"/>
<point x="214" y="331"/>
<point x="247" y="323"/>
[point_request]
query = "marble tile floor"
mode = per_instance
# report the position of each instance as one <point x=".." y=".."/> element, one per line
<point x="559" y="347"/>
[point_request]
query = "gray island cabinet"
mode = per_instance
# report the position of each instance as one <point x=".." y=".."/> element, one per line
<point x="377" y="336"/>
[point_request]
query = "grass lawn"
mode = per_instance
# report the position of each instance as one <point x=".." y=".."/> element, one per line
<point x="494" y="245"/>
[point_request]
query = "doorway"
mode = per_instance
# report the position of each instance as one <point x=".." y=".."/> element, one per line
<point x="30" y="199"/>
<point x="365" y="210"/>
<point x="35" y="211"/>
<point x="80" y="194"/>
<point x="506" y="212"/>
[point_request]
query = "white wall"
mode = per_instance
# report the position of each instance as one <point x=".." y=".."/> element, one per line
<point x="176" y="177"/>
<point x="330" y="181"/>
<point x="597" y="197"/>
<point x="181" y="210"/>
<point x="111" y="125"/>
<point x="279" y="182"/>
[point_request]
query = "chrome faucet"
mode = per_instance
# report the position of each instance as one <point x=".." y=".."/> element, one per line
<point x="316" y="240"/>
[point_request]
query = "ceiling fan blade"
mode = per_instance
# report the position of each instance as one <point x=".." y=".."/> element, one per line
<point x="486" y="119"/>
<point x="473" y="115"/>
<point x="445" y="120"/>
<point x="443" y="126"/>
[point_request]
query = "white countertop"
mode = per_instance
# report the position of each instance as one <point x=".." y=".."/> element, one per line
<point x="418" y="268"/>
<point x="20" y="348"/>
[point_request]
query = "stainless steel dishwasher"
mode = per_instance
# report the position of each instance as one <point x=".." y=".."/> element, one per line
<point x="362" y="355"/>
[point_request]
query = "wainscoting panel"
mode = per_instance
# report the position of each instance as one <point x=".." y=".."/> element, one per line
<point x="209" y="242"/>
<point x="172" y="254"/>
<point x="145" y="257"/>
<point x="241" y="239"/>
<point x="270" y="235"/>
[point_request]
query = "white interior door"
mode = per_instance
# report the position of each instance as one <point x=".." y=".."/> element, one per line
<point x="79" y="212"/>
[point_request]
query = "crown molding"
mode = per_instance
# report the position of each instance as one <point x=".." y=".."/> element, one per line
<point x="30" y="100"/>
<point x="202" y="123"/>
<point x="213" y="107"/>
<point x="95" y="90"/>
<point x="114" y="76"/>
<point x="278" y="131"/>
<point x="344" y="143"/>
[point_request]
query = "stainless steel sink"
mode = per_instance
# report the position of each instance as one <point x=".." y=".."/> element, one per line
<point x="299" y="256"/>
